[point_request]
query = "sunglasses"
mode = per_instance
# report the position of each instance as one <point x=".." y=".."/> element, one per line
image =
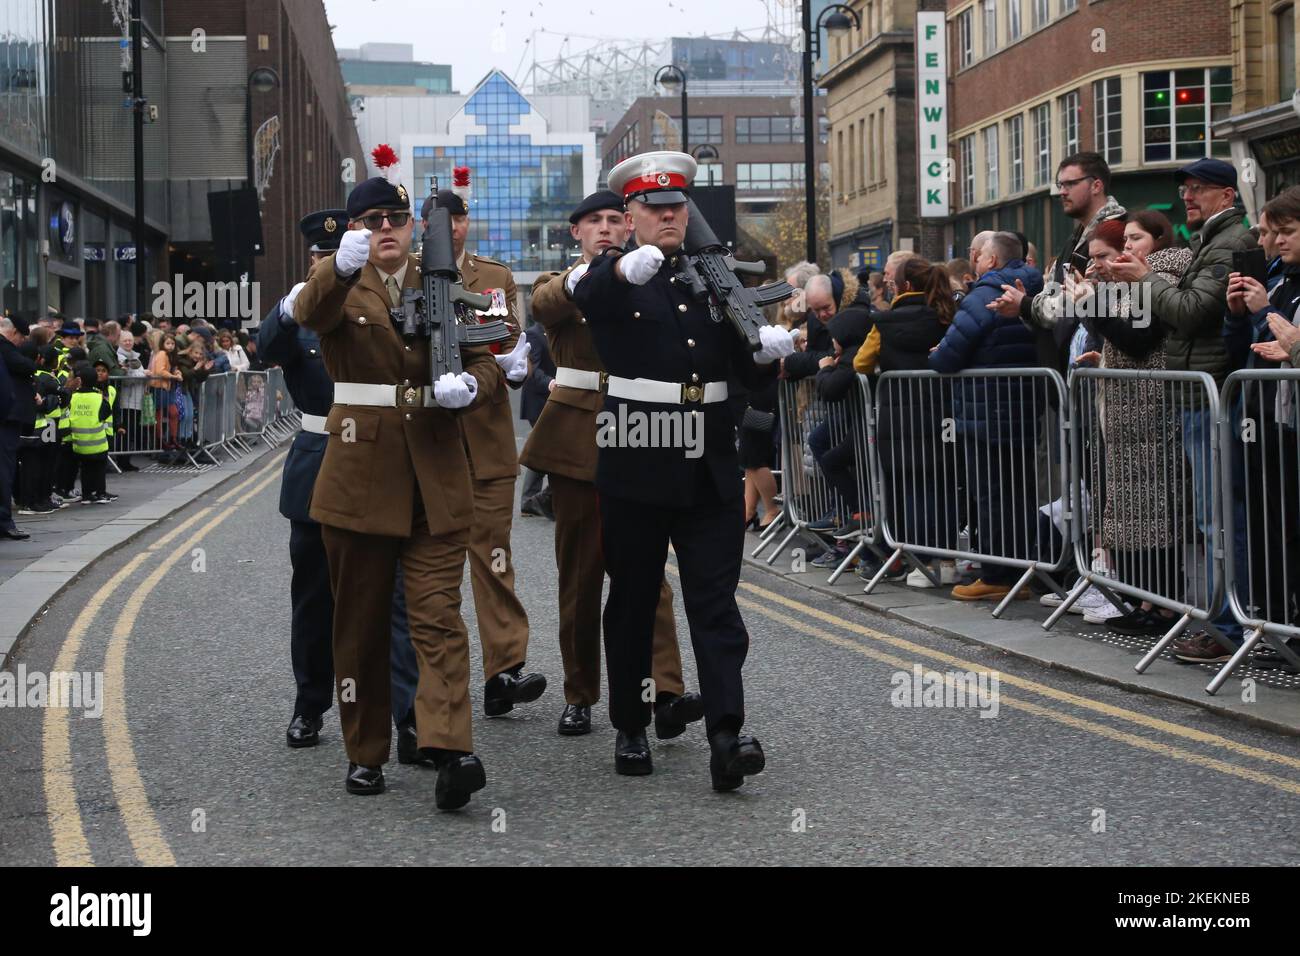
<point x="376" y="219"/>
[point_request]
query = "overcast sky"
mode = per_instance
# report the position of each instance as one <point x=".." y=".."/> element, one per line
<point x="476" y="35"/>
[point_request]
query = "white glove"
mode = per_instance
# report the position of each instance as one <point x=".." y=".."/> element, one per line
<point x="515" y="363"/>
<point x="286" y="304"/>
<point x="775" y="343"/>
<point x="571" y="280"/>
<point x="354" y="250"/>
<point x="639" y="265"/>
<point x="451" y="391"/>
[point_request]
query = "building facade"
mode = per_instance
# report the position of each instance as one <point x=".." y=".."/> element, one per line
<point x="531" y="161"/>
<point x="871" y="105"/>
<point x="1143" y="82"/>
<point x="390" y="69"/>
<point x="1264" y="128"/>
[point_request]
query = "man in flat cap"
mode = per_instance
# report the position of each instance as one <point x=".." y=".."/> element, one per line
<point x="489" y="436"/>
<point x="394" y="485"/>
<point x="563" y="445"/>
<point x="296" y="349"/>
<point x="668" y="357"/>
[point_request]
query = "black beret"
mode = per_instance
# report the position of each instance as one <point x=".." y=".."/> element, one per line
<point x="445" y="199"/>
<point x="323" y="229"/>
<point x="377" y="193"/>
<point x="601" y="199"/>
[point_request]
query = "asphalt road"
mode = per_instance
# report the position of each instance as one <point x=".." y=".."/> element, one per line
<point x="188" y="765"/>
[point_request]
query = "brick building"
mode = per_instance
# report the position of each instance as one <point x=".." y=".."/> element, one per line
<point x="1264" y="128"/>
<point x="1141" y="81"/>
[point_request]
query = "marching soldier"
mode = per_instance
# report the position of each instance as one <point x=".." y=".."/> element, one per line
<point x="667" y="353"/>
<point x="488" y="433"/>
<point x="296" y="349"/>
<point x="563" y="445"/>
<point x="394" y="485"/>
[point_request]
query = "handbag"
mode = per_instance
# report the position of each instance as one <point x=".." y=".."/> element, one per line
<point x="758" y="421"/>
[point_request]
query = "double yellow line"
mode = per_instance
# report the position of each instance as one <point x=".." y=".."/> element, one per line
<point x="70" y="845"/>
<point x="806" y="617"/>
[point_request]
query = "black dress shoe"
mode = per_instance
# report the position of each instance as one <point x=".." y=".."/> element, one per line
<point x="408" y="743"/>
<point x="632" y="754"/>
<point x="575" y="721"/>
<point x="14" y="534"/>
<point x="672" y="714"/>
<point x="511" y="687"/>
<point x="459" y="776"/>
<point x="365" y="781"/>
<point x="303" y="731"/>
<point x="733" y="759"/>
<point x="530" y="506"/>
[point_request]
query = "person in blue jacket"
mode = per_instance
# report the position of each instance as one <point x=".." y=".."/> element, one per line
<point x="296" y="349"/>
<point x="996" y="417"/>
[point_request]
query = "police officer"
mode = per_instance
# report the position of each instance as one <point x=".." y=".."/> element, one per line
<point x="562" y="444"/>
<point x="668" y="353"/>
<point x="488" y="432"/>
<point x="394" y="485"/>
<point x="296" y="349"/>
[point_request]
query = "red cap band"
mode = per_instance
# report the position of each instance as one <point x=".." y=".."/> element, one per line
<point x="649" y="181"/>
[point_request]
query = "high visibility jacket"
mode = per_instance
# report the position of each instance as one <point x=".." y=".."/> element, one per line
<point x="44" y="419"/>
<point x="89" y="433"/>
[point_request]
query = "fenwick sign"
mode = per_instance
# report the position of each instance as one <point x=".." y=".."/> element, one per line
<point x="932" y="112"/>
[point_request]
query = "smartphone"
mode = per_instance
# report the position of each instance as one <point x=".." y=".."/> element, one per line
<point x="1251" y="262"/>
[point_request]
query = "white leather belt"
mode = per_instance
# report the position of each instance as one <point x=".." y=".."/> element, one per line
<point x="383" y="396"/>
<point x="577" y="378"/>
<point x="314" y="424"/>
<point x="665" y="393"/>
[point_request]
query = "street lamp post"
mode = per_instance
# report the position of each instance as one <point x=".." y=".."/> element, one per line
<point x="264" y="79"/>
<point x="705" y="155"/>
<point x="835" y="19"/>
<point x="669" y="77"/>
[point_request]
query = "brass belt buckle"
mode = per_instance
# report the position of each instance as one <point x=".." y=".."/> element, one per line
<point x="603" y="385"/>
<point x="409" y="396"/>
<point x="692" y="393"/>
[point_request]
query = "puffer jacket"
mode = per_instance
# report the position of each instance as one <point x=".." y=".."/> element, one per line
<point x="1192" y="310"/>
<point x="980" y="338"/>
<point x="908" y="330"/>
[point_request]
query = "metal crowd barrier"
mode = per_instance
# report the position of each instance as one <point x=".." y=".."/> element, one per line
<point x="826" y="466"/>
<point x="138" y="438"/>
<point x="261" y="410"/>
<point x="1265" y="594"/>
<point x="1143" y="440"/>
<point x="962" y="451"/>
<point x="213" y="424"/>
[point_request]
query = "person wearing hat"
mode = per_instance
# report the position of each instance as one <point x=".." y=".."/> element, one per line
<point x="20" y="417"/>
<point x="296" y="349"/>
<point x="562" y="444"/>
<point x="667" y="355"/>
<point x="489" y="436"/>
<point x="394" y="485"/>
<point x="1192" y="313"/>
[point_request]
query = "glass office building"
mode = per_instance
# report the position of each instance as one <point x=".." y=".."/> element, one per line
<point x="525" y="177"/>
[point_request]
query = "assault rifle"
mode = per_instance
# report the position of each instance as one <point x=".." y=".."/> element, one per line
<point x="712" y="273"/>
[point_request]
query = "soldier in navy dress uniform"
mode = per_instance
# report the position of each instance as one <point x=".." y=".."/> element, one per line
<point x="667" y="352"/>
<point x="296" y="349"/>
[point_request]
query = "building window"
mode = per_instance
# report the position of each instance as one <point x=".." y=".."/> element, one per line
<point x="1016" y="152"/>
<point x="766" y="129"/>
<point x="709" y="174"/>
<point x="1178" y="109"/>
<point x="705" y="129"/>
<point x="1042" y="12"/>
<point x="991" y="163"/>
<point x="1106" y="102"/>
<point x="853" y="160"/>
<point x="1068" y="5"/>
<point x="965" y="39"/>
<point x="769" y="176"/>
<point x="880" y="146"/>
<point x="866" y="156"/>
<point x="990" y="20"/>
<point x="1069" y="108"/>
<point x="625" y="147"/>
<point x="1013" y="20"/>
<point x="968" y="172"/>
<point x="1042" y="144"/>
<point x="1285" y="20"/>
<point x="871" y="147"/>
